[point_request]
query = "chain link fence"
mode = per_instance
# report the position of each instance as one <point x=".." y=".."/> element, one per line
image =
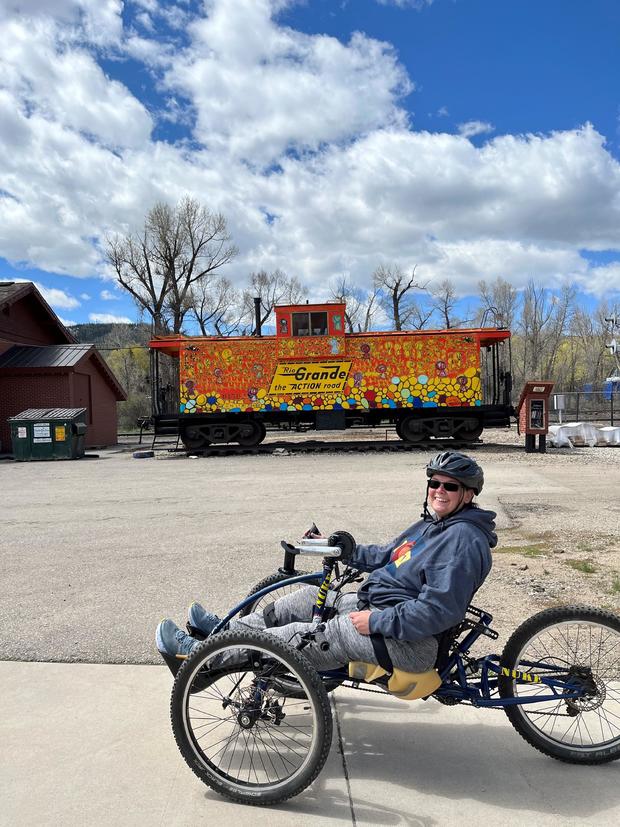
<point x="598" y="407"/>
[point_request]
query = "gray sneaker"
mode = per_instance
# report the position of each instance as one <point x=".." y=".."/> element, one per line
<point x="172" y="641"/>
<point x="200" y="619"/>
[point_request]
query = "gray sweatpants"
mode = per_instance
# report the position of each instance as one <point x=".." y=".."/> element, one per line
<point x="290" y="616"/>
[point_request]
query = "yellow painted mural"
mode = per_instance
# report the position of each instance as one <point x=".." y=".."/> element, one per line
<point x="330" y="373"/>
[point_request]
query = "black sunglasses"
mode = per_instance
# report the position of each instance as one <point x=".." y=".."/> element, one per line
<point x="447" y="486"/>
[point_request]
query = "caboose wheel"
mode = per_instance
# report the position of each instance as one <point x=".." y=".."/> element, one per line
<point x="250" y="433"/>
<point x="411" y="429"/>
<point x="469" y="429"/>
<point x="193" y="439"/>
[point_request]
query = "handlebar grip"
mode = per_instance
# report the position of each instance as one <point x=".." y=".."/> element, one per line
<point x="345" y="542"/>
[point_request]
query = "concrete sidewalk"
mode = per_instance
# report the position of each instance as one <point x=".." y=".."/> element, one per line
<point x="91" y="745"/>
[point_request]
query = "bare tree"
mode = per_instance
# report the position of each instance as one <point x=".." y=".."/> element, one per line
<point x="272" y="289"/>
<point x="542" y="326"/>
<point x="499" y="301"/>
<point x="177" y="247"/>
<point x="361" y="308"/>
<point x="421" y="314"/>
<point x="396" y="290"/>
<point x="444" y="302"/>
<point x="216" y="305"/>
<point x="588" y="358"/>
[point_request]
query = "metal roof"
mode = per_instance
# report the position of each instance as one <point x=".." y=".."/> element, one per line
<point x="24" y="357"/>
<point x="10" y="288"/>
<point x="49" y="413"/>
<point x="49" y="356"/>
<point x="12" y="292"/>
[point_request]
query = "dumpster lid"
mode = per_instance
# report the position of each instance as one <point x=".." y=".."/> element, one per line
<point x="49" y="413"/>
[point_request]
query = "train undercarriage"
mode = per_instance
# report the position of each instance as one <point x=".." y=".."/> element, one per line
<point x="250" y="429"/>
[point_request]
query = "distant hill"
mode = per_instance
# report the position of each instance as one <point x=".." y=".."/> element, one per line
<point x="112" y="335"/>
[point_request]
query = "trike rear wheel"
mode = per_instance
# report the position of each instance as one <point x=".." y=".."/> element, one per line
<point x="272" y="580"/>
<point x="580" y="645"/>
<point x="235" y="728"/>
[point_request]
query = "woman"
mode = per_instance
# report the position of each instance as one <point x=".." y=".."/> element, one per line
<point x="420" y="584"/>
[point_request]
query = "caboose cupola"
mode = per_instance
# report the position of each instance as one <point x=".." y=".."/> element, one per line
<point x="295" y="320"/>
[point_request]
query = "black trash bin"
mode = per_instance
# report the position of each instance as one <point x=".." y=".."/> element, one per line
<point x="48" y="433"/>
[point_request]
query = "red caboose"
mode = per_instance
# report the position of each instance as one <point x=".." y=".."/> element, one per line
<point x="439" y="383"/>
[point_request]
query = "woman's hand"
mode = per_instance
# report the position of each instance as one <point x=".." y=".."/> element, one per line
<point x="361" y="621"/>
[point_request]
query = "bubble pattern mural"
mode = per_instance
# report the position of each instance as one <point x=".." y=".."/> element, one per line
<point x="330" y="373"/>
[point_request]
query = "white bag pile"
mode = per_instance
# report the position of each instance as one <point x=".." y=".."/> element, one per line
<point x="573" y="434"/>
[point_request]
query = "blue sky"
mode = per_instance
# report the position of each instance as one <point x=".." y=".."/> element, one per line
<point x="472" y="138"/>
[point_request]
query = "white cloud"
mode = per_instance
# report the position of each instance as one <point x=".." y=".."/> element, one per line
<point x="472" y="128"/>
<point x="362" y="187"/>
<point x="99" y="21"/>
<point x="108" y="318"/>
<point x="57" y="298"/>
<point x="404" y="196"/>
<point x="601" y="281"/>
<point x="66" y="86"/>
<point x="108" y="296"/>
<point x="67" y="322"/>
<point x="85" y="297"/>
<point x="406" y="4"/>
<point x="260" y="89"/>
<point x="53" y="296"/>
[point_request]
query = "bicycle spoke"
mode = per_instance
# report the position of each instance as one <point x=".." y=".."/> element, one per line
<point x="246" y="727"/>
<point x="581" y="648"/>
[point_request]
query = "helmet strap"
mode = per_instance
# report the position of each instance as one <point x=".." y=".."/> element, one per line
<point x="426" y="514"/>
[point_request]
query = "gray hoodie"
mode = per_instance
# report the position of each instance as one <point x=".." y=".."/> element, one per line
<point x="423" y="580"/>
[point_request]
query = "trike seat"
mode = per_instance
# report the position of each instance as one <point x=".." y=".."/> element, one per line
<point x="408" y="686"/>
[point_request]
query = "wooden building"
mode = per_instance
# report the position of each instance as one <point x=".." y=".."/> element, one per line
<point x="42" y="366"/>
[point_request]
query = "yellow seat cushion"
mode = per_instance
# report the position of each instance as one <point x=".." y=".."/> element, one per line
<point x="404" y="685"/>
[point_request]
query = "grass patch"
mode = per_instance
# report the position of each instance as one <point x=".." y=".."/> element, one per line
<point x="584" y="566"/>
<point x="526" y="551"/>
<point x="532" y="551"/>
<point x="615" y="584"/>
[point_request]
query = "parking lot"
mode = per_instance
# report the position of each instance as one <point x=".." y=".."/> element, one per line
<point x="95" y="552"/>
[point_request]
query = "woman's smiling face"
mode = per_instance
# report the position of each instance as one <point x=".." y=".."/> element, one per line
<point x="445" y="502"/>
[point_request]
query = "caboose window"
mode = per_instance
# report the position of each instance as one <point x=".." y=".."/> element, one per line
<point x="310" y="324"/>
<point x="318" y="324"/>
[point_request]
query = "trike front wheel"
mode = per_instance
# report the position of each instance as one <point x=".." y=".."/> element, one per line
<point x="579" y="646"/>
<point x="237" y="730"/>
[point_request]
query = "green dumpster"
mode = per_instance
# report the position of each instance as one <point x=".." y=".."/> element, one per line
<point x="48" y="433"/>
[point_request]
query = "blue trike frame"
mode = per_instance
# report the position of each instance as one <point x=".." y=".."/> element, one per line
<point x="457" y="685"/>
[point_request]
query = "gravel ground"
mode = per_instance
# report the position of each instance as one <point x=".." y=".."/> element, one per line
<point x="557" y="550"/>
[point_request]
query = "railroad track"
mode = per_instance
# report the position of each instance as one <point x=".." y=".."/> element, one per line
<point x="318" y="446"/>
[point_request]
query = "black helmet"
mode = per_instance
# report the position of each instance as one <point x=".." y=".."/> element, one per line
<point x="460" y="466"/>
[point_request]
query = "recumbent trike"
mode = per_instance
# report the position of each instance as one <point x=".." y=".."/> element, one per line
<point x="253" y="720"/>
